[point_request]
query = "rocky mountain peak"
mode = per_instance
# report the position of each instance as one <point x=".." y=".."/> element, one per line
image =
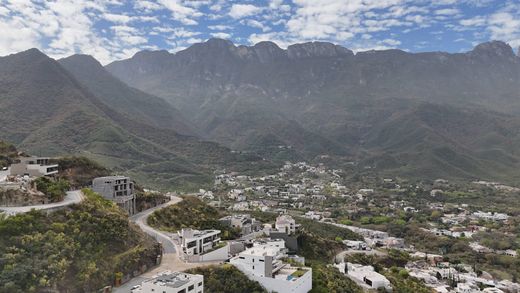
<point x="317" y="49"/>
<point x="268" y="51"/>
<point x="493" y="49"/>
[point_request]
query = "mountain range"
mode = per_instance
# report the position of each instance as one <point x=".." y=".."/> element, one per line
<point x="174" y="118"/>
<point x="433" y="114"/>
<point x="73" y="106"/>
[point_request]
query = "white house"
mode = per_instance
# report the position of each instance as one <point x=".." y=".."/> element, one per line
<point x="367" y="276"/>
<point x="195" y="242"/>
<point x="33" y="166"/>
<point x="286" y="223"/>
<point x="264" y="263"/>
<point x="168" y="282"/>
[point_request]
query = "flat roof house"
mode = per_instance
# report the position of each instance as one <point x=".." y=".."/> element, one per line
<point x="264" y="263"/>
<point x="119" y="189"/>
<point x="33" y="166"/>
<point x="195" y="242"/>
<point x="367" y="276"/>
<point x="177" y="282"/>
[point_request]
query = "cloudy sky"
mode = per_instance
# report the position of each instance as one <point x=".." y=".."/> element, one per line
<point x="116" y="29"/>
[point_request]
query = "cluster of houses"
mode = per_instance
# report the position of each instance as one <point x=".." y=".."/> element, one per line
<point x="444" y="277"/>
<point x="261" y="253"/>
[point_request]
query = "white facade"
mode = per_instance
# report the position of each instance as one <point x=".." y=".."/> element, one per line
<point x="263" y="263"/>
<point x="367" y="275"/>
<point x="33" y="166"/>
<point x="195" y="242"/>
<point x="168" y="282"/>
<point x="286" y="224"/>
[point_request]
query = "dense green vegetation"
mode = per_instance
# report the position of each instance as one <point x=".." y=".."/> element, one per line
<point x="226" y="279"/>
<point x="404" y="283"/>
<point x="55" y="190"/>
<point x="81" y="249"/>
<point x="80" y="171"/>
<point x="327" y="279"/>
<point x="190" y="213"/>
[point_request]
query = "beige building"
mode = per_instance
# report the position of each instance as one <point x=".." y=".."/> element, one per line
<point x="33" y="166"/>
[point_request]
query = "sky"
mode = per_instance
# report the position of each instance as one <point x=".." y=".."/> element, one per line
<point x="116" y="29"/>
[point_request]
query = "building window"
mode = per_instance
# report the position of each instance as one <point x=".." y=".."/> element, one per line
<point x="191" y="287"/>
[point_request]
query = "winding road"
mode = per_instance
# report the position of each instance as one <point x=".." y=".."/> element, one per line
<point x="72" y="197"/>
<point x="170" y="260"/>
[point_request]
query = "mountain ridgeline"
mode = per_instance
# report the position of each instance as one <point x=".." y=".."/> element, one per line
<point x="75" y="107"/>
<point x="172" y="119"/>
<point x="417" y="114"/>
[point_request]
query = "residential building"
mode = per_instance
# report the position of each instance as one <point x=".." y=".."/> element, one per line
<point x="119" y="189"/>
<point x="244" y="222"/>
<point x="367" y="276"/>
<point x="286" y="223"/>
<point x="33" y="166"/>
<point x="195" y="242"/>
<point x="264" y="263"/>
<point x="174" y="282"/>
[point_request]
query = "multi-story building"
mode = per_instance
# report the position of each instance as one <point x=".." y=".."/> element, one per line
<point x="168" y="282"/>
<point x="33" y="166"/>
<point x="264" y="263"/>
<point x="286" y="223"/>
<point x="244" y="222"/>
<point x="195" y="242"/>
<point x="119" y="189"/>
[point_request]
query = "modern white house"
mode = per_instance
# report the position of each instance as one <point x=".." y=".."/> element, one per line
<point x="195" y="242"/>
<point x="177" y="282"/>
<point x="286" y="223"/>
<point x="365" y="276"/>
<point x="264" y="263"/>
<point x="119" y="189"/>
<point x="33" y="166"/>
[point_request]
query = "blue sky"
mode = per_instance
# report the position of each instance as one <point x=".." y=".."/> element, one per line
<point x="116" y="29"/>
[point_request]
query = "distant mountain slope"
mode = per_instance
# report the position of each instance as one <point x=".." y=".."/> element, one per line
<point x="45" y="110"/>
<point x="407" y="111"/>
<point x="122" y="98"/>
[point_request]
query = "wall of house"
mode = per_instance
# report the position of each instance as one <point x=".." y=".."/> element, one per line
<point x="301" y="285"/>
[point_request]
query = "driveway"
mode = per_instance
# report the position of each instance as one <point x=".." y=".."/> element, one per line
<point x="170" y="260"/>
<point x="72" y="197"/>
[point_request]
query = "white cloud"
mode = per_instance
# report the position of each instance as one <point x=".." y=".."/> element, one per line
<point x="221" y="35"/>
<point x="180" y="12"/>
<point x="243" y="10"/>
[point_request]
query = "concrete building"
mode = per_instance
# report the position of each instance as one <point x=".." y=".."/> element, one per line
<point x="366" y="276"/>
<point x="264" y="263"/>
<point x="168" y="282"/>
<point x="119" y="189"/>
<point x="33" y="166"/>
<point x="286" y="223"/>
<point x="195" y="242"/>
<point x="244" y="222"/>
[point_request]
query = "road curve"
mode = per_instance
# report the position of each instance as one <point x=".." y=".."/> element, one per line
<point x="170" y="260"/>
<point x="72" y="197"/>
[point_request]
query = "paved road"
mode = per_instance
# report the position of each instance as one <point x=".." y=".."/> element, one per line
<point x="170" y="260"/>
<point x="72" y="197"/>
